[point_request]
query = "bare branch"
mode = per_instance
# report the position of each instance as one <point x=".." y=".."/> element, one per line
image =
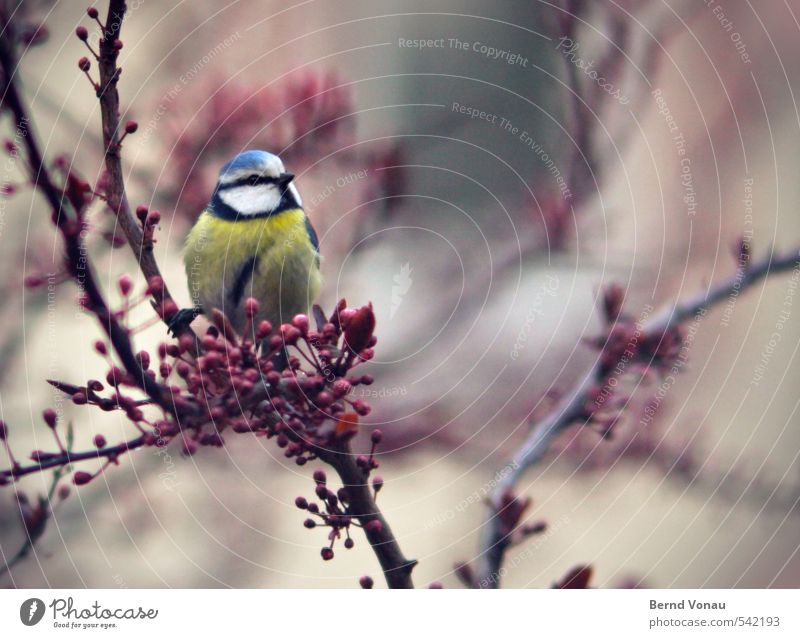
<point x="571" y="409"/>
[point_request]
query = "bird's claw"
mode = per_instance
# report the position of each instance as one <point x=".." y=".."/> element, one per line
<point x="181" y="320"/>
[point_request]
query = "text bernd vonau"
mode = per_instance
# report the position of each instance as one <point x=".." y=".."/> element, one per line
<point x="686" y="604"/>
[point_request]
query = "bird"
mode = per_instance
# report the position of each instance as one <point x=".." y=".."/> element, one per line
<point x="252" y="240"/>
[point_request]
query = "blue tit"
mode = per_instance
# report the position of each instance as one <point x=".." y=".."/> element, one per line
<point x="253" y="240"/>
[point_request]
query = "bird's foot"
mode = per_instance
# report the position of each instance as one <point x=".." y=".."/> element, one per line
<point x="182" y="319"/>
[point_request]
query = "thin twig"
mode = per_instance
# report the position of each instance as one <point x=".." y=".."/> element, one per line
<point x="571" y="408"/>
<point x="32" y="535"/>
<point x="69" y="221"/>
<point x="61" y="459"/>
<point x="117" y="196"/>
<point x="361" y="505"/>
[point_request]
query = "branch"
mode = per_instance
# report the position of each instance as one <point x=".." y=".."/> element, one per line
<point x="69" y="221"/>
<point x="305" y="410"/>
<point x="108" y="96"/>
<point x="572" y="408"/>
<point x="361" y="505"/>
<point x="63" y="459"/>
<point x="34" y="520"/>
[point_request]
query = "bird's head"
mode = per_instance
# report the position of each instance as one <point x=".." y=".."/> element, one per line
<point x="256" y="183"/>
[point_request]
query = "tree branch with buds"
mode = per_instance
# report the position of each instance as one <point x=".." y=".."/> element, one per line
<point x="651" y="345"/>
<point x="203" y="388"/>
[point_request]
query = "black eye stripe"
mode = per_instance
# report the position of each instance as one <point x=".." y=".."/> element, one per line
<point x="251" y="180"/>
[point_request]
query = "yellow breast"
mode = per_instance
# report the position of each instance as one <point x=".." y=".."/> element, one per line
<point x="283" y="272"/>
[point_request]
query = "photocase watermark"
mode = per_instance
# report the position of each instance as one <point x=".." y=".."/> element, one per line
<point x="476" y="496"/>
<point x="481" y="48"/>
<point x="679" y="141"/>
<point x="505" y="125"/>
<point x="114" y="23"/>
<point x="66" y="615"/>
<point x="547" y="289"/>
<point x="31" y="611"/>
<point x="57" y="396"/>
<point x="668" y="380"/>
<point x="401" y="284"/>
<point x="727" y="25"/>
<point x="186" y="78"/>
<point x="120" y="581"/>
<point x="20" y="131"/>
<point x="168" y="476"/>
<point x="743" y="257"/>
<point x="371" y="392"/>
<point x="569" y="49"/>
<point x="628" y="354"/>
<point x="529" y="549"/>
<point x="776" y="337"/>
<point x="341" y="182"/>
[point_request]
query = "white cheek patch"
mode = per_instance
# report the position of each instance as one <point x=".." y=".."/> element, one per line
<point x="296" y="194"/>
<point x="251" y="200"/>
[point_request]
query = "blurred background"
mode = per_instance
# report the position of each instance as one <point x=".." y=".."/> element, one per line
<point x="479" y="171"/>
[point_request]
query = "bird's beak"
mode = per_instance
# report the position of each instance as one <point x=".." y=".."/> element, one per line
<point x="285" y="178"/>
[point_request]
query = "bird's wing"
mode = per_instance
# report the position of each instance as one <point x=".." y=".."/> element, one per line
<point x="312" y="237"/>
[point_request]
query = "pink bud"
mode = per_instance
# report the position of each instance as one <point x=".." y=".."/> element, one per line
<point x="301" y="323"/>
<point x="323" y="400"/>
<point x="264" y="328"/>
<point x="366" y="582"/>
<point x="34" y="281"/>
<point x="250" y="307"/>
<point x="289" y="334"/>
<point x="188" y="446"/>
<point x="81" y="478"/>
<point x="125" y="285"/>
<point x="359" y="327"/>
<point x="50" y="417"/>
<point x="341" y="387"/>
<point x="361" y="407"/>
